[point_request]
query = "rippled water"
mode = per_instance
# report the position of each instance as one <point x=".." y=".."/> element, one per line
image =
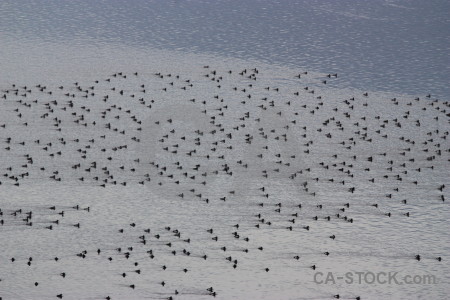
<point x="393" y="49"/>
<point x="399" y="46"/>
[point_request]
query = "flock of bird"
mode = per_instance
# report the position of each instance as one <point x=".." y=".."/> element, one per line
<point x="276" y="157"/>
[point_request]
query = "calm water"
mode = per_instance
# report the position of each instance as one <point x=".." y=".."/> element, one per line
<point x="60" y="59"/>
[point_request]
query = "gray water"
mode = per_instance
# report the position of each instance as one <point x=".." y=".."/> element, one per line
<point x="390" y="145"/>
<point x="399" y="46"/>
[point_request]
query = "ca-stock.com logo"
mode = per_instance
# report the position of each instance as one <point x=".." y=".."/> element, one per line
<point x="379" y="278"/>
